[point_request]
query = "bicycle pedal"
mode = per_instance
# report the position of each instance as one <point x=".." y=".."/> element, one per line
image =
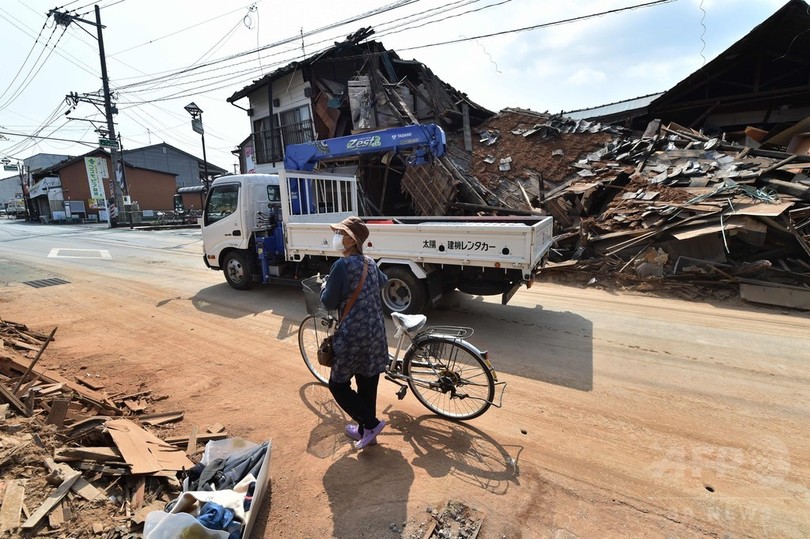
<point x="401" y="392"/>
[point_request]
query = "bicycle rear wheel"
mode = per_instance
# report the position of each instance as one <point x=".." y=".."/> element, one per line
<point x="449" y="377"/>
<point x="312" y="331"/>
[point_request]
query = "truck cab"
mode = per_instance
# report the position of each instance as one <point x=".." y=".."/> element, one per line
<point x="236" y="207"/>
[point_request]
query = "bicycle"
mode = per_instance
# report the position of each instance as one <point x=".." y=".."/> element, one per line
<point x="447" y="374"/>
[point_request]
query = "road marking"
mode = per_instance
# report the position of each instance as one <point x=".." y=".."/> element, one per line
<point x="86" y="253"/>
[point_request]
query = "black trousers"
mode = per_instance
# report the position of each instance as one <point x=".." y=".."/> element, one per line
<point x="361" y="405"/>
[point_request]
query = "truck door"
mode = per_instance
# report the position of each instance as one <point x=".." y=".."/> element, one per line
<point x="222" y="222"/>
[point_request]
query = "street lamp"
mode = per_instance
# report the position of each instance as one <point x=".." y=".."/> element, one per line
<point x="197" y="126"/>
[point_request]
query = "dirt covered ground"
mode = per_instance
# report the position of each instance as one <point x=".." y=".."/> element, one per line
<point x="624" y="416"/>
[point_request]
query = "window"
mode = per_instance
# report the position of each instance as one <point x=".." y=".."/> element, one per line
<point x="222" y="201"/>
<point x="292" y="126"/>
<point x="273" y="193"/>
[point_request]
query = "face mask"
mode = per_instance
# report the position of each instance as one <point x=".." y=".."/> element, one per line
<point x="337" y="242"/>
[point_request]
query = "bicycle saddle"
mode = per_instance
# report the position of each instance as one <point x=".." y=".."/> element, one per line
<point x="409" y="322"/>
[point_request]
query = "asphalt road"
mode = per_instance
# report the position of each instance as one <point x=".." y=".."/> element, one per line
<point x="623" y="415"/>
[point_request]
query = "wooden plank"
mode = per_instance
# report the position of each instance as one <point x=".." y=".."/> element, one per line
<point x="14" y="401"/>
<point x="36" y="358"/>
<point x="20" y="344"/>
<point x="134" y="407"/>
<point x="160" y="419"/>
<point x="143" y="450"/>
<point x="81" y="487"/>
<point x="12" y="368"/>
<point x="191" y="447"/>
<point x="99" y="454"/>
<point x="49" y="389"/>
<point x="183" y="440"/>
<point x="138" y="493"/>
<point x="112" y="469"/>
<point x="51" y="501"/>
<point x="59" y="408"/>
<point x="215" y="428"/>
<point x="12" y="505"/>
<point x="96" y="386"/>
<point x="24" y="389"/>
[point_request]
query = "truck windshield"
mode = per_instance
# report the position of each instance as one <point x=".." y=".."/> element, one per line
<point x="222" y="202"/>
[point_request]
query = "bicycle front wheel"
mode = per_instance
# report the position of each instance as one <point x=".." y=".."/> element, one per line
<point x="311" y="333"/>
<point x="449" y="377"/>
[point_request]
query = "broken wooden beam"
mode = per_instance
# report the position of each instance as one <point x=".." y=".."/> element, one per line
<point x="183" y="440"/>
<point x="14" y="401"/>
<point x="12" y="505"/>
<point x="51" y="501"/>
<point x="98" y="454"/>
<point x="34" y="361"/>
<point x="59" y="409"/>
<point x="161" y="418"/>
<point x="81" y="486"/>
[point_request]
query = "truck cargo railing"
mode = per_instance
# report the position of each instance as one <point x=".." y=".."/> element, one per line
<point x="317" y="198"/>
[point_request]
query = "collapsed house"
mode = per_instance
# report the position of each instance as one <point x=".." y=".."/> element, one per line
<point x="355" y="86"/>
<point x="702" y="187"/>
<point x="670" y="208"/>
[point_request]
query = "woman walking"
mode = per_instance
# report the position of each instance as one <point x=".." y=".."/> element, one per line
<point x="360" y="344"/>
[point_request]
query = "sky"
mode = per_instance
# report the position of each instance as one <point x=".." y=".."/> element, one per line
<point x="206" y="50"/>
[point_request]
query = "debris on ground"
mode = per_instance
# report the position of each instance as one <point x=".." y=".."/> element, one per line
<point x="77" y="462"/>
<point x="456" y="521"/>
<point x="730" y="219"/>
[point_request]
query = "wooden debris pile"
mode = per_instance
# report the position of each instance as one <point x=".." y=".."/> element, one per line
<point x="456" y="521"/>
<point x="75" y="461"/>
<point x="671" y="210"/>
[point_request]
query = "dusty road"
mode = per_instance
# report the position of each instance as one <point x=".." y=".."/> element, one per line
<point x="624" y="416"/>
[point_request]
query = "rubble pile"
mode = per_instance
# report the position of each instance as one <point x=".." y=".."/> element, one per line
<point x="456" y="521"/>
<point x="673" y="210"/>
<point x="76" y="462"/>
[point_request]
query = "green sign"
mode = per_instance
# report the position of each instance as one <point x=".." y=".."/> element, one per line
<point x="10" y="167"/>
<point x="108" y="143"/>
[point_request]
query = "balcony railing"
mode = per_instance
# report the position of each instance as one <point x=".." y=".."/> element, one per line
<point x="269" y="146"/>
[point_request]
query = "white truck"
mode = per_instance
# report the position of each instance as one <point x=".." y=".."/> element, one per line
<point x="274" y="228"/>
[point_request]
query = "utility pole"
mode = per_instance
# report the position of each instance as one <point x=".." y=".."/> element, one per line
<point x="109" y="110"/>
<point x="26" y="199"/>
<point x="65" y="19"/>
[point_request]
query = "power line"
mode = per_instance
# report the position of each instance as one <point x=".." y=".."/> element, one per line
<point x="382" y="9"/>
<point x="181" y="30"/>
<point x="21" y="26"/>
<point x="32" y="74"/>
<point x="543" y="25"/>
<point x="46" y="138"/>
<point x="10" y="84"/>
<point x="227" y="75"/>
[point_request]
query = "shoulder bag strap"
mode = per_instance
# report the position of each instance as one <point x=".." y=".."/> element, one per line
<point x="357" y="290"/>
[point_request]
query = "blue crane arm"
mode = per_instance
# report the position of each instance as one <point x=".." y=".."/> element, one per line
<point x="420" y="141"/>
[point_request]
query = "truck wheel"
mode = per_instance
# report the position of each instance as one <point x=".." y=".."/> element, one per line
<point x="238" y="269"/>
<point x="403" y="293"/>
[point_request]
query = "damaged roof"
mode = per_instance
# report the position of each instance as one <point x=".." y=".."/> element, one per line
<point x="769" y="65"/>
<point x="354" y="47"/>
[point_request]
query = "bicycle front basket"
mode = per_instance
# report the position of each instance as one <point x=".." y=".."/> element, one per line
<point x="312" y="295"/>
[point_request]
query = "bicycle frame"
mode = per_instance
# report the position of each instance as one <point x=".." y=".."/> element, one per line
<point x="454" y="335"/>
